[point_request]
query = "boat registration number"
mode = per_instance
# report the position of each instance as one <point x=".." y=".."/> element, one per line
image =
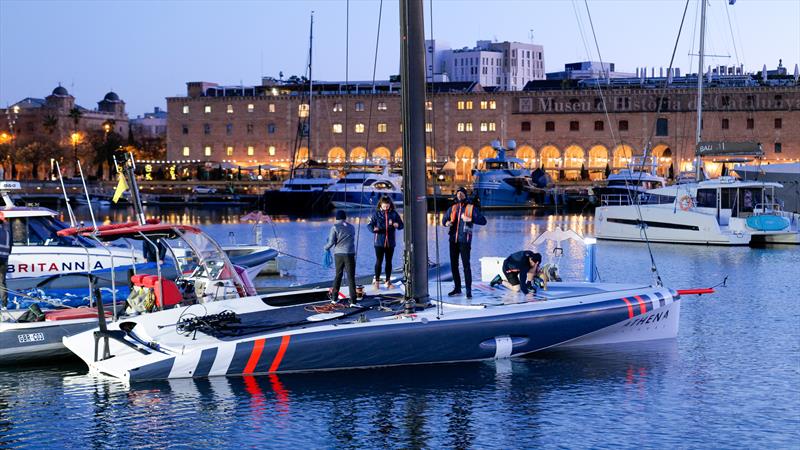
<point x="30" y="337"/>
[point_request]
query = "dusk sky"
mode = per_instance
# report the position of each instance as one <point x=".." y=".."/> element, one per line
<point x="147" y="50"/>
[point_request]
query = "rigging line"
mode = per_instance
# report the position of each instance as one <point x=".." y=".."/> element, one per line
<point x="369" y="119"/>
<point x="733" y="39"/>
<point x="654" y="267"/>
<point x="347" y="152"/>
<point x="439" y="305"/>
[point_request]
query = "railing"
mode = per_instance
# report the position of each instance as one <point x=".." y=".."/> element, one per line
<point x="641" y="199"/>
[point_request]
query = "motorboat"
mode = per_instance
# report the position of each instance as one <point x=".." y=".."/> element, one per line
<point x="38" y="252"/>
<point x="204" y="274"/>
<point x="304" y="191"/>
<point x="630" y="183"/>
<point x="258" y="335"/>
<point x="787" y="174"/>
<point x="503" y="182"/>
<point x="721" y="211"/>
<point x="363" y="189"/>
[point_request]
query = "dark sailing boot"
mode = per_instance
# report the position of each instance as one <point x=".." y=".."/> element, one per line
<point x="496" y="280"/>
<point x="469" y="292"/>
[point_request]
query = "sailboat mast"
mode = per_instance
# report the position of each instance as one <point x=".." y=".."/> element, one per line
<point x="699" y="131"/>
<point x="310" y="80"/>
<point x="412" y="77"/>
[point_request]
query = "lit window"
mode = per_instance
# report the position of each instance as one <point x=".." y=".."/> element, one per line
<point x="468" y="104"/>
<point x="468" y="126"/>
<point x="250" y="150"/>
<point x="207" y="151"/>
<point x="484" y="126"/>
<point x="382" y="127"/>
<point x="230" y="109"/>
<point x="492" y="126"/>
<point x="359" y="106"/>
<point x="302" y="110"/>
<point x="381" y="106"/>
<point x="460" y="104"/>
<point x="271" y="107"/>
<point x="186" y="109"/>
<point x="484" y="104"/>
<point x="337" y="128"/>
<point x="492" y="104"/>
<point x="186" y="151"/>
<point x="359" y="128"/>
<point x="337" y="107"/>
<point x="251" y="107"/>
<point x="229" y="151"/>
<point x="271" y="150"/>
<point x="428" y="127"/>
<point x="460" y="126"/>
<point x="429" y="105"/>
<point x="207" y="109"/>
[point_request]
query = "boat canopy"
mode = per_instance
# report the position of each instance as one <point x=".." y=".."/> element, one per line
<point x="132" y="230"/>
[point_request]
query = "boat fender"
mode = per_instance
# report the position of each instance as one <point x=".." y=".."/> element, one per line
<point x="685" y="203"/>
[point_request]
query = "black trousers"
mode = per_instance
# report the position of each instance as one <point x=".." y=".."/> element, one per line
<point x="380" y="253"/>
<point x="3" y="289"/>
<point x="456" y="249"/>
<point x="345" y="262"/>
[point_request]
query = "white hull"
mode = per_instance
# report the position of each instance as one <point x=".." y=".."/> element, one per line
<point x="496" y="323"/>
<point x="40" y="261"/>
<point x="667" y="225"/>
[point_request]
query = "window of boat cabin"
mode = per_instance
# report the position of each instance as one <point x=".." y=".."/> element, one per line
<point x="385" y="185"/>
<point x="39" y="231"/>
<point x="706" y="198"/>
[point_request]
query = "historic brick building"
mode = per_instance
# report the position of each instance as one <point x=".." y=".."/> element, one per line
<point x="559" y="128"/>
<point x="59" y="124"/>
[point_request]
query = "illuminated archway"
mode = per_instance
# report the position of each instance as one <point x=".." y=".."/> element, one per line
<point x="398" y="154"/>
<point x="663" y="155"/>
<point x="573" y="160"/>
<point x="337" y="154"/>
<point x="358" y="154"/>
<point x="302" y="155"/>
<point x="550" y="158"/>
<point x="487" y="152"/>
<point x="465" y="161"/>
<point x="621" y="156"/>
<point x="528" y="155"/>
<point x="598" y="158"/>
<point x="382" y="153"/>
<point x="430" y="153"/>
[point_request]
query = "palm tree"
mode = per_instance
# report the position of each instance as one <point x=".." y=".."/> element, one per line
<point x="50" y="123"/>
<point x="75" y="114"/>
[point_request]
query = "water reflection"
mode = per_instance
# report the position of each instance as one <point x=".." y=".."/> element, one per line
<point x="452" y="406"/>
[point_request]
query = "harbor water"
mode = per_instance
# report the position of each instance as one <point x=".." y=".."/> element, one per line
<point x="731" y="379"/>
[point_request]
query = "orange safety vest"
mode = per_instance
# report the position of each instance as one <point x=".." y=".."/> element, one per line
<point x="455" y="216"/>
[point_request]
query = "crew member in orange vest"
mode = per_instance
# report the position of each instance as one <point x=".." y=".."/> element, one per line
<point x="461" y="218"/>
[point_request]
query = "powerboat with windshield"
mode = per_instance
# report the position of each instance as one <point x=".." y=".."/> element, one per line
<point x="363" y="189"/>
<point x="304" y="191"/>
<point x="503" y="182"/>
<point x="201" y="273"/>
<point x="630" y="183"/>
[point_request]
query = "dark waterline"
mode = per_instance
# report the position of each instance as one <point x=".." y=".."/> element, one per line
<point x="730" y="379"/>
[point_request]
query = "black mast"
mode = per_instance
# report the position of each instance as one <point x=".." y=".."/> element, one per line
<point x="412" y="78"/>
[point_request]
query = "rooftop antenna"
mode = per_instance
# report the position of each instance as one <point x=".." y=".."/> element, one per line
<point x="530" y="35"/>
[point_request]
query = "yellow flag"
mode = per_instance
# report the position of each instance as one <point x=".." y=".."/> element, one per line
<point x="121" y="187"/>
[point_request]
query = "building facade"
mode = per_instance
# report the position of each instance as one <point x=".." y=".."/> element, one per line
<point x="57" y="123"/>
<point x="561" y="130"/>
<point x="506" y="66"/>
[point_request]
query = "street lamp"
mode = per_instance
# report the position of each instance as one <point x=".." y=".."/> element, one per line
<point x="76" y="139"/>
